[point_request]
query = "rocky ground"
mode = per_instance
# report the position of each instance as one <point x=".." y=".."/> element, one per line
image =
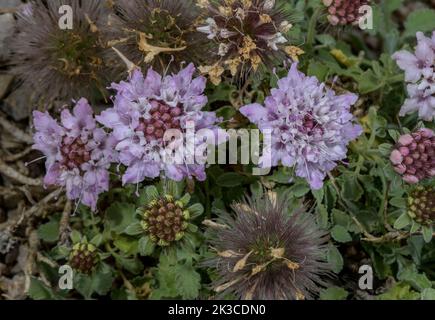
<point x="23" y="200"/>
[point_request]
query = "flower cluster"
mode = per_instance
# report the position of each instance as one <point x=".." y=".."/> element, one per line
<point x="345" y="12"/>
<point x="311" y="126"/>
<point x="144" y="108"/>
<point x="57" y="64"/>
<point x="157" y="33"/>
<point x="414" y="156"/>
<point x="420" y="75"/>
<point x="78" y="153"/>
<point x="421" y="205"/>
<point x="84" y="257"/>
<point x="165" y="220"/>
<point x="246" y="33"/>
<point x="263" y="252"/>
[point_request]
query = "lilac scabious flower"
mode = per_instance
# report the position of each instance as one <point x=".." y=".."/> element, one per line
<point x="420" y="75"/>
<point x="78" y="153"/>
<point x="145" y="107"/>
<point x="311" y="125"/>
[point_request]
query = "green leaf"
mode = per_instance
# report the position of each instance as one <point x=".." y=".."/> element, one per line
<point x="403" y="221"/>
<point x="299" y="189"/>
<point x="188" y="281"/>
<point x="333" y="293"/>
<point x="132" y="265"/>
<point x="49" y="232"/>
<point x="134" y="229"/>
<point x="196" y="210"/>
<point x="39" y="291"/>
<point x="351" y="189"/>
<point x="120" y="216"/>
<point x="420" y="20"/>
<point x="335" y="259"/>
<point x="152" y="193"/>
<point x="146" y="246"/>
<point x="126" y="244"/>
<point x="75" y="236"/>
<point x="428" y="294"/>
<point x="340" y="234"/>
<point x="400" y="291"/>
<point x="427" y="233"/>
<point x="97" y="240"/>
<point x="411" y="275"/>
<point x="229" y="180"/>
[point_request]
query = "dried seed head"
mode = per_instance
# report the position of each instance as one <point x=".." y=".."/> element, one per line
<point x="58" y="64"/>
<point x="421" y="205"/>
<point x="246" y="35"/>
<point x="158" y="33"/>
<point x="266" y="254"/>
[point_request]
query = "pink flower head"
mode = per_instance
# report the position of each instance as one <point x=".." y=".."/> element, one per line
<point x="414" y="156"/>
<point x="419" y="70"/>
<point x="78" y="153"/>
<point x="311" y="126"/>
<point x="145" y="107"/>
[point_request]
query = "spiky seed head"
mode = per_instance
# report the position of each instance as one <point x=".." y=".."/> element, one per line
<point x="265" y="252"/>
<point x="62" y="64"/>
<point x="157" y="33"/>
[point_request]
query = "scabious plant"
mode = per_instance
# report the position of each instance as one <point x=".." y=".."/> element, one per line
<point x="420" y="75"/>
<point x="414" y="156"/>
<point x="246" y="34"/>
<point x="266" y="252"/>
<point x="345" y="12"/>
<point x="157" y="33"/>
<point x="144" y="109"/>
<point x="78" y="153"/>
<point x="311" y="126"/>
<point x="58" y="64"/>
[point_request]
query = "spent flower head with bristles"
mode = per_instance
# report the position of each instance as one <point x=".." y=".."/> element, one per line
<point x="413" y="156"/>
<point x="421" y="205"/>
<point x="311" y="126"/>
<point x="267" y="252"/>
<point x="57" y="64"/>
<point x="246" y="35"/>
<point x="419" y="70"/>
<point x="158" y="33"/>
<point x="145" y="108"/>
<point x="78" y="153"/>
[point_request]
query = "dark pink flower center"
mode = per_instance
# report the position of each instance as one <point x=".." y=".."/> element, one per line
<point x="74" y="153"/>
<point x="311" y="126"/>
<point x="163" y="117"/>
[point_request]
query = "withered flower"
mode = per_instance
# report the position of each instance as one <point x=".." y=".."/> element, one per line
<point x="265" y="252"/>
<point x="246" y="34"/>
<point x="61" y="63"/>
<point x="157" y="33"/>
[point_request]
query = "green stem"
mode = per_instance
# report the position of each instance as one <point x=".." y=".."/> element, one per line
<point x="312" y="27"/>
